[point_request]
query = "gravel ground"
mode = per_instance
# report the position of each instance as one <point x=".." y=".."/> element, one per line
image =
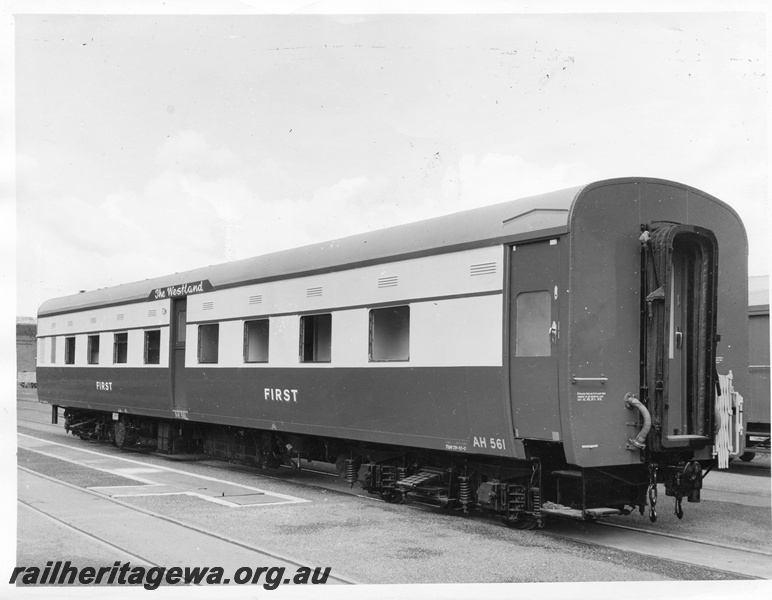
<point x="42" y="540"/>
<point x="379" y="543"/>
<point x="717" y="522"/>
<point x="741" y="477"/>
<point x="376" y="542"/>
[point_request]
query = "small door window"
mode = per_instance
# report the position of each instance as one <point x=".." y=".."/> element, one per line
<point x="533" y="324"/>
<point x="256" y="341"/>
<point x="69" y="351"/>
<point x="93" y="349"/>
<point x="390" y="333"/>
<point x="153" y="347"/>
<point x="316" y="338"/>
<point x="120" y="348"/>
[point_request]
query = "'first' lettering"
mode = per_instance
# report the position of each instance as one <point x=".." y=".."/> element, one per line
<point x="104" y="386"/>
<point x="280" y="395"/>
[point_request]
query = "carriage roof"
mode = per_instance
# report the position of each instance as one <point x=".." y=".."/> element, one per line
<point x="526" y="218"/>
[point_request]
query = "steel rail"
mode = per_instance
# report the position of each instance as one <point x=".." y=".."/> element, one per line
<point x="81" y="531"/>
<point x="686" y="538"/>
<point x="225" y="538"/>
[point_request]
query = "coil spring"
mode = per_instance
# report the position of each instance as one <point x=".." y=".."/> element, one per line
<point x="401" y="472"/>
<point x="464" y="492"/>
<point x="351" y="472"/>
<point x="388" y="476"/>
<point x="536" y="498"/>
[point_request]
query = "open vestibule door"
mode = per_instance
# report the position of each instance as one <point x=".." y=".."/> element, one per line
<point x="679" y="325"/>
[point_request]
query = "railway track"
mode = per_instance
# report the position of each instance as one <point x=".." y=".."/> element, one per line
<point x="747" y="561"/>
<point x="727" y="558"/>
<point x="687" y="539"/>
<point x="218" y="545"/>
<point x="750" y="562"/>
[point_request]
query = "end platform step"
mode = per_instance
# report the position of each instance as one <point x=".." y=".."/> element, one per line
<point x="558" y="510"/>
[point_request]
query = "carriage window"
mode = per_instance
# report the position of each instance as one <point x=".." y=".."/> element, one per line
<point x="152" y="347"/>
<point x="534" y="319"/>
<point x="120" y="348"/>
<point x="208" y="343"/>
<point x="390" y="333"/>
<point x="69" y="351"/>
<point x="93" y="349"/>
<point x="315" y="338"/>
<point x="53" y="350"/>
<point x="256" y="341"/>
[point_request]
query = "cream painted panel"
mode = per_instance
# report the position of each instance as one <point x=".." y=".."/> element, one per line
<point x="134" y="315"/>
<point x="351" y="338"/>
<point x="454" y="332"/>
<point x="81" y="350"/>
<point x="163" y="359"/>
<point x="431" y="276"/>
<point x="284" y="341"/>
<point x="231" y="352"/>
<point x="58" y="341"/>
<point x="165" y="333"/>
<point x="136" y="349"/>
<point x="191" y="345"/>
<point x="108" y="349"/>
<point x="105" y="349"/>
<point x="461" y="332"/>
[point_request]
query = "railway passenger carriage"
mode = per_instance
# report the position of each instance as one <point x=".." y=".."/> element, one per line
<point x="757" y="411"/>
<point x="560" y="354"/>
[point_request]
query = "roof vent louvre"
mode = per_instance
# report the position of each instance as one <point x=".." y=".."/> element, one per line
<point x="391" y="281"/>
<point x="256" y="299"/>
<point x="121" y="316"/>
<point x="482" y="269"/>
<point x="207" y="305"/>
<point x="151" y="312"/>
<point x="313" y="292"/>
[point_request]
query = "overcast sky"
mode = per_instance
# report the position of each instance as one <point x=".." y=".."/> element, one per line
<point x="151" y="144"/>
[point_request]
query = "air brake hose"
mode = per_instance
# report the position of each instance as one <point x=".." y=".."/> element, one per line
<point x="639" y="443"/>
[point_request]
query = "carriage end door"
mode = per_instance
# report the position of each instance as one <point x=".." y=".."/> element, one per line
<point x="534" y="326"/>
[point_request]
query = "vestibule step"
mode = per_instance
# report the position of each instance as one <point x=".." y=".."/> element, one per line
<point x="558" y="510"/>
<point x="602" y="512"/>
<point x="568" y="473"/>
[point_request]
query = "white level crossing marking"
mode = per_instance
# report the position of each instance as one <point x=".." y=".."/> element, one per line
<point x="156" y="480"/>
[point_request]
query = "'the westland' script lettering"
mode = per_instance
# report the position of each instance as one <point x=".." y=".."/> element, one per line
<point x="178" y="291"/>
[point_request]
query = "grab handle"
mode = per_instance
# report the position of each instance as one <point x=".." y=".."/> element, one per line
<point x="601" y="379"/>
